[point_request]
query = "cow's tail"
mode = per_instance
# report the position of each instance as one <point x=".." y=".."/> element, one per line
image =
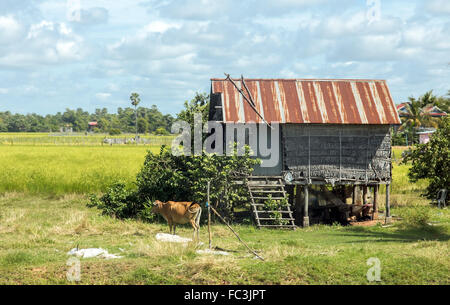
<point x="197" y="218"/>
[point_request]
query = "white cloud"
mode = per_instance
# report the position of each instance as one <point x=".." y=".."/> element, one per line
<point x="103" y="96"/>
<point x="94" y="15"/>
<point x="160" y="26"/>
<point x="168" y="49"/>
<point x="46" y="42"/>
<point x="10" y="30"/>
<point x="438" y="6"/>
<point x="3" y="91"/>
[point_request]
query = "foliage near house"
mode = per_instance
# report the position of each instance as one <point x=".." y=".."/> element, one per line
<point x="165" y="177"/>
<point x="432" y="160"/>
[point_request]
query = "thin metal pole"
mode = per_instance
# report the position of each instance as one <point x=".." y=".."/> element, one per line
<point x="209" y="218"/>
<point x="229" y="227"/>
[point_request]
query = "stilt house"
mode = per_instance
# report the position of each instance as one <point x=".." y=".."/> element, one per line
<point x="334" y="132"/>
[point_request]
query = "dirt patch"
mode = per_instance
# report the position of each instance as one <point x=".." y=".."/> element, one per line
<point x="367" y="223"/>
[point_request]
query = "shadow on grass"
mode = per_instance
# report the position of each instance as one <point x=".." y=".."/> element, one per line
<point x="396" y="234"/>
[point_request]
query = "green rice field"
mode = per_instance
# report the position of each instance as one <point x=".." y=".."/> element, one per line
<point x="32" y="163"/>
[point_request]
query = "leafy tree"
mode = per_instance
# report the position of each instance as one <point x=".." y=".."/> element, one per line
<point x="416" y="117"/>
<point x="142" y="125"/>
<point x="199" y="104"/>
<point x="78" y="119"/>
<point x="432" y="160"/>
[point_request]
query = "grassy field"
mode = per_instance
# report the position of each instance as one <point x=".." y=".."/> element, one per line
<point x="37" y="232"/>
<point x="43" y="214"/>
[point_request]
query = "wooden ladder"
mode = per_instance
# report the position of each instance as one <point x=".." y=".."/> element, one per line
<point x="259" y="189"/>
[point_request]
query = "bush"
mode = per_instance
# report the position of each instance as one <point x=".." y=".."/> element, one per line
<point x="417" y="217"/>
<point x="118" y="201"/>
<point x="180" y="178"/>
<point x="185" y="178"/>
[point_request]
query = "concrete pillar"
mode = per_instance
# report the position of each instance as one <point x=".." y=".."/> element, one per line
<point x="388" y="205"/>
<point x="306" y="213"/>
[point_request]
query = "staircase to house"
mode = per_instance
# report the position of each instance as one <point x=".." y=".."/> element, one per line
<point x="262" y="189"/>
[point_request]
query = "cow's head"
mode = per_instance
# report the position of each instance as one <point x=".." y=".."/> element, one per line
<point x="156" y="206"/>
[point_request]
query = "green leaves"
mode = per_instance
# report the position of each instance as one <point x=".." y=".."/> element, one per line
<point x="135" y="99"/>
<point x="118" y="202"/>
<point x="180" y="178"/>
<point x="432" y="160"/>
<point x="275" y="205"/>
<point x="185" y="178"/>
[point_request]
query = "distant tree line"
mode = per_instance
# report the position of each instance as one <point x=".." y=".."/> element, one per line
<point x="149" y="120"/>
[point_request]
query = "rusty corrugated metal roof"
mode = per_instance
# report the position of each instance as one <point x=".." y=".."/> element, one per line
<point x="346" y="101"/>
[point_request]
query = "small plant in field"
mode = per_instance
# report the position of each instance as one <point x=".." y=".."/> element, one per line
<point x="275" y="206"/>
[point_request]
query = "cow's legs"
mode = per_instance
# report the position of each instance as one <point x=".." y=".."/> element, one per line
<point x="170" y="226"/>
<point x="174" y="229"/>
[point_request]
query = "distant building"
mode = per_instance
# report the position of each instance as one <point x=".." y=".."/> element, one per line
<point x="433" y="111"/>
<point x="92" y="125"/>
<point x="425" y="135"/>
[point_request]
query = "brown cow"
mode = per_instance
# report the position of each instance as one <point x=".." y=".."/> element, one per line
<point x="179" y="213"/>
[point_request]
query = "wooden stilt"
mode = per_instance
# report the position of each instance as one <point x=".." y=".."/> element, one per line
<point x="375" y="204"/>
<point x="388" y="205"/>
<point x="365" y="194"/>
<point x="354" y="195"/>
<point x="306" y="212"/>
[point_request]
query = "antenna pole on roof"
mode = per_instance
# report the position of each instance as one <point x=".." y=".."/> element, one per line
<point x="248" y="91"/>
<point x="249" y="101"/>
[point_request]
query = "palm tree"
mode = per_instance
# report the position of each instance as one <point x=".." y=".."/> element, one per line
<point x="428" y="99"/>
<point x="135" y="100"/>
<point x="415" y="115"/>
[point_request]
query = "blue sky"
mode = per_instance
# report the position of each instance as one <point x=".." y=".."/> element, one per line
<point x="57" y="54"/>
